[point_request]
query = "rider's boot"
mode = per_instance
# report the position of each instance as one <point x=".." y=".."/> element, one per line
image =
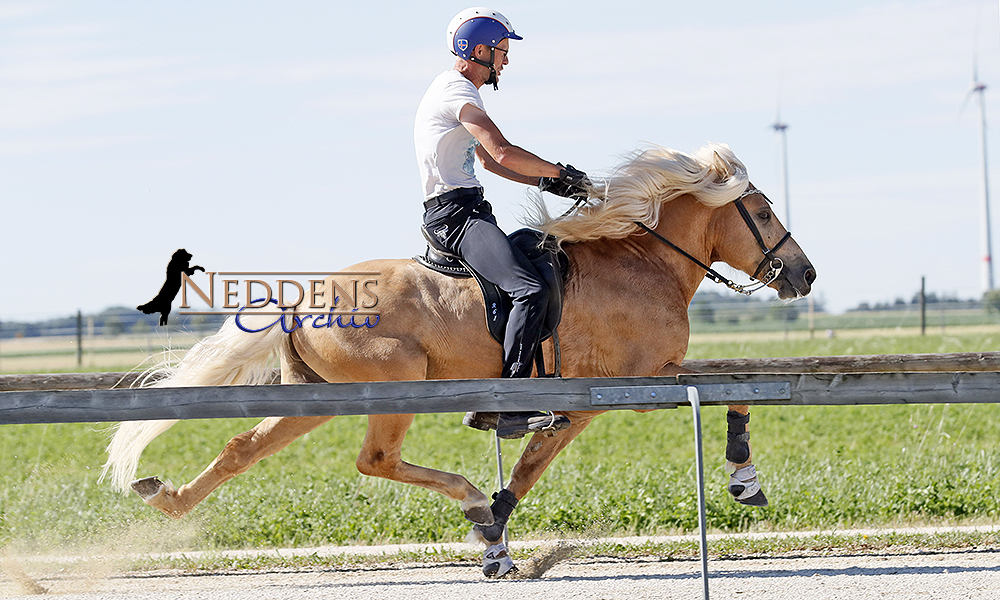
<point x="513" y="425"/>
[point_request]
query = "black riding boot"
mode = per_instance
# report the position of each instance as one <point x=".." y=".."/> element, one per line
<point x="515" y="425"/>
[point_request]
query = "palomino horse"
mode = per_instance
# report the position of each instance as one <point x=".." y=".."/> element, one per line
<point x="625" y="314"/>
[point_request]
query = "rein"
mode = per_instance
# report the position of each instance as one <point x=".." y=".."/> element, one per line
<point x="775" y="264"/>
<point x="710" y="273"/>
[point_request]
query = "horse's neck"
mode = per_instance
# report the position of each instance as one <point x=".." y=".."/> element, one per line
<point x="641" y="260"/>
<point x="636" y="289"/>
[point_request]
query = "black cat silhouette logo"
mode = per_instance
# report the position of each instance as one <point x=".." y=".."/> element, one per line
<point x="179" y="263"/>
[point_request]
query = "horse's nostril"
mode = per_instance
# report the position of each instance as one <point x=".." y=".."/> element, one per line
<point x="810" y="276"/>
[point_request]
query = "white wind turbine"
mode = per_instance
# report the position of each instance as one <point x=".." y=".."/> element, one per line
<point x="779" y="127"/>
<point x="979" y="89"/>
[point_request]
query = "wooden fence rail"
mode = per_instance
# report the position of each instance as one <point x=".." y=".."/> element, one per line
<point x="880" y="363"/>
<point x="65" y="406"/>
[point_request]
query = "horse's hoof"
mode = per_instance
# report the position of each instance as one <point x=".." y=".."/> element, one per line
<point x="745" y="487"/>
<point x="758" y="499"/>
<point x="480" y="515"/>
<point x="147" y="488"/>
<point x="497" y="562"/>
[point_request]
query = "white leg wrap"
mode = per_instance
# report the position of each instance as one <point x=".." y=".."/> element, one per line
<point x="497" y="562"/>
<point x="746" y="478"/>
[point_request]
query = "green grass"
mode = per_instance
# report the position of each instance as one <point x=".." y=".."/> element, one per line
<point x="767" y="317"/>
<point x="749" y="345"/>
<point x="629" y="473"/>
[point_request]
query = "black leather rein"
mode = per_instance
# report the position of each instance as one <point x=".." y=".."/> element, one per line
<point x="774" y="263"/>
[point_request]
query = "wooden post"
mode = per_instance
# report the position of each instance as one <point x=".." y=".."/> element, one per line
<point x="79" y="338"/>
<point x="923" y="307"/>
<point x="811" y="303"/>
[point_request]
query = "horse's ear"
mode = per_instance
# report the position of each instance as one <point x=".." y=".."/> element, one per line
<point x="722" y="165"/>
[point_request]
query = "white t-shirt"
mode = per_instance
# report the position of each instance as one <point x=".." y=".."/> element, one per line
<point x="446" y="151"/>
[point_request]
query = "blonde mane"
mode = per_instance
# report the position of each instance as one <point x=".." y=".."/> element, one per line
<point x="639" y="186"/>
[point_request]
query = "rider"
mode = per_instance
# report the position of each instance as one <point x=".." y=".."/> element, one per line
<point x="452" y="128"/>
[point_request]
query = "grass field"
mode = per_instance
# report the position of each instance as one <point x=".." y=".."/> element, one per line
<point x="822" y="467"/>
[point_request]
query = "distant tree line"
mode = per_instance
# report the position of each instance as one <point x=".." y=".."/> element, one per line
<point x="931" y="298"/>
<point x="726" y="308"/>
<point x="113" y="321"/>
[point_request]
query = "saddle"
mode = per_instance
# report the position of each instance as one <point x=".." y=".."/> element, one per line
<point x="550" y="262"/>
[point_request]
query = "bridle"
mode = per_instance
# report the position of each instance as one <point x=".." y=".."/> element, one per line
<point x="773" y="263"/>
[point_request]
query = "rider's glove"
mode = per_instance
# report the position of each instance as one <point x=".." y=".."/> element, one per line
<point x="571" y="183"/>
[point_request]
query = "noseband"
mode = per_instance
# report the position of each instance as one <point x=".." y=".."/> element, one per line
<point x="773" y="263"/>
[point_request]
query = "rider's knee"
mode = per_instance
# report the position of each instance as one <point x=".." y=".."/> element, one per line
<point x="535" y="294"/>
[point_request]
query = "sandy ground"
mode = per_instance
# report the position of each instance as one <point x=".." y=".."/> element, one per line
<point x="931" y="575"/>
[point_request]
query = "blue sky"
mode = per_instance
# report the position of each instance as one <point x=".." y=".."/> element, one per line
<point x="266" y="136"/>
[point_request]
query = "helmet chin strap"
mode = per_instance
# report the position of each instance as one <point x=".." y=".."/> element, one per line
<point x="493" y="78"/>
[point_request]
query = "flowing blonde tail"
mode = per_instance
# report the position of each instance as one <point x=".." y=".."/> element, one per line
<point x="231" y="356"/>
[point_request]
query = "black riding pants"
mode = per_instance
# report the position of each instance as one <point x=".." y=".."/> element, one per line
<point x="464" y="223"/>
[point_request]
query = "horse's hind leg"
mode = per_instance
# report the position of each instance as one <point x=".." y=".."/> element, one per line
<point x="539" y="453"/>
<point x="380" y="456"/>
<point x="242" y="452"/>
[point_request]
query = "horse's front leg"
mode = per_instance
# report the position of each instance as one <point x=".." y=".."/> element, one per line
<point x="242" y="452"/>
<point x="743" y="483"/>
<point x="380" y="456"/>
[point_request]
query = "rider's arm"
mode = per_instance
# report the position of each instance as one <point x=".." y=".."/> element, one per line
<point x="503" y="158"/>
<point x="497" y="169"/>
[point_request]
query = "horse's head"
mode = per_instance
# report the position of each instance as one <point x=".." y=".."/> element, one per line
<point x="750" y="238"/>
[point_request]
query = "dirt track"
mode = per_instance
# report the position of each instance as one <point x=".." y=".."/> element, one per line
<point x="947" y="575"/>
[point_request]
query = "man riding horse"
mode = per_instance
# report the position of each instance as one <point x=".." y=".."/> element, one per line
<point x="637" y="256"/>
<point x="451" y="129"/>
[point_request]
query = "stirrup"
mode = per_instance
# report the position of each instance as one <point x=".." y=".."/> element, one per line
<point x="515" y="425"/>
<point x="483" y="421"/>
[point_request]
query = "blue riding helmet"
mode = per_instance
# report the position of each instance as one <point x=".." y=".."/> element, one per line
<point x="474" y="26"/>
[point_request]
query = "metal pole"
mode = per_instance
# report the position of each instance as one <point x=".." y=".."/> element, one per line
<point x="692" y="393"/>
<point x="506" y="540"/>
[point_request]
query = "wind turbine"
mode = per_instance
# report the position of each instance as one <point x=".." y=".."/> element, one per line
<point x="780" y="128"/>
<point x="979" y="89"/>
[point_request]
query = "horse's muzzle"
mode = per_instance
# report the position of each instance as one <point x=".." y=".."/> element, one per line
<point x="795" y="282"/>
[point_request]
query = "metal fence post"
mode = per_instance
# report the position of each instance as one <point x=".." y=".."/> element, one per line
<point x="692" y="393"/>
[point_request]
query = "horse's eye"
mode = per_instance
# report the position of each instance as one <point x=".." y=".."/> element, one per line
<point x="764" y="215"/>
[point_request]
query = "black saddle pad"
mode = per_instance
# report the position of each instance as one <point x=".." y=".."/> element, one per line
<point x="551" y="263"/>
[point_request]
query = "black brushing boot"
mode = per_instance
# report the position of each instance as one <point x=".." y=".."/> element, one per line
<point x="743" y="483"/>
<point x="496" y="560"/>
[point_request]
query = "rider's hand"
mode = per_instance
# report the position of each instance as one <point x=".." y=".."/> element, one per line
<point x="571" y="183"/>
